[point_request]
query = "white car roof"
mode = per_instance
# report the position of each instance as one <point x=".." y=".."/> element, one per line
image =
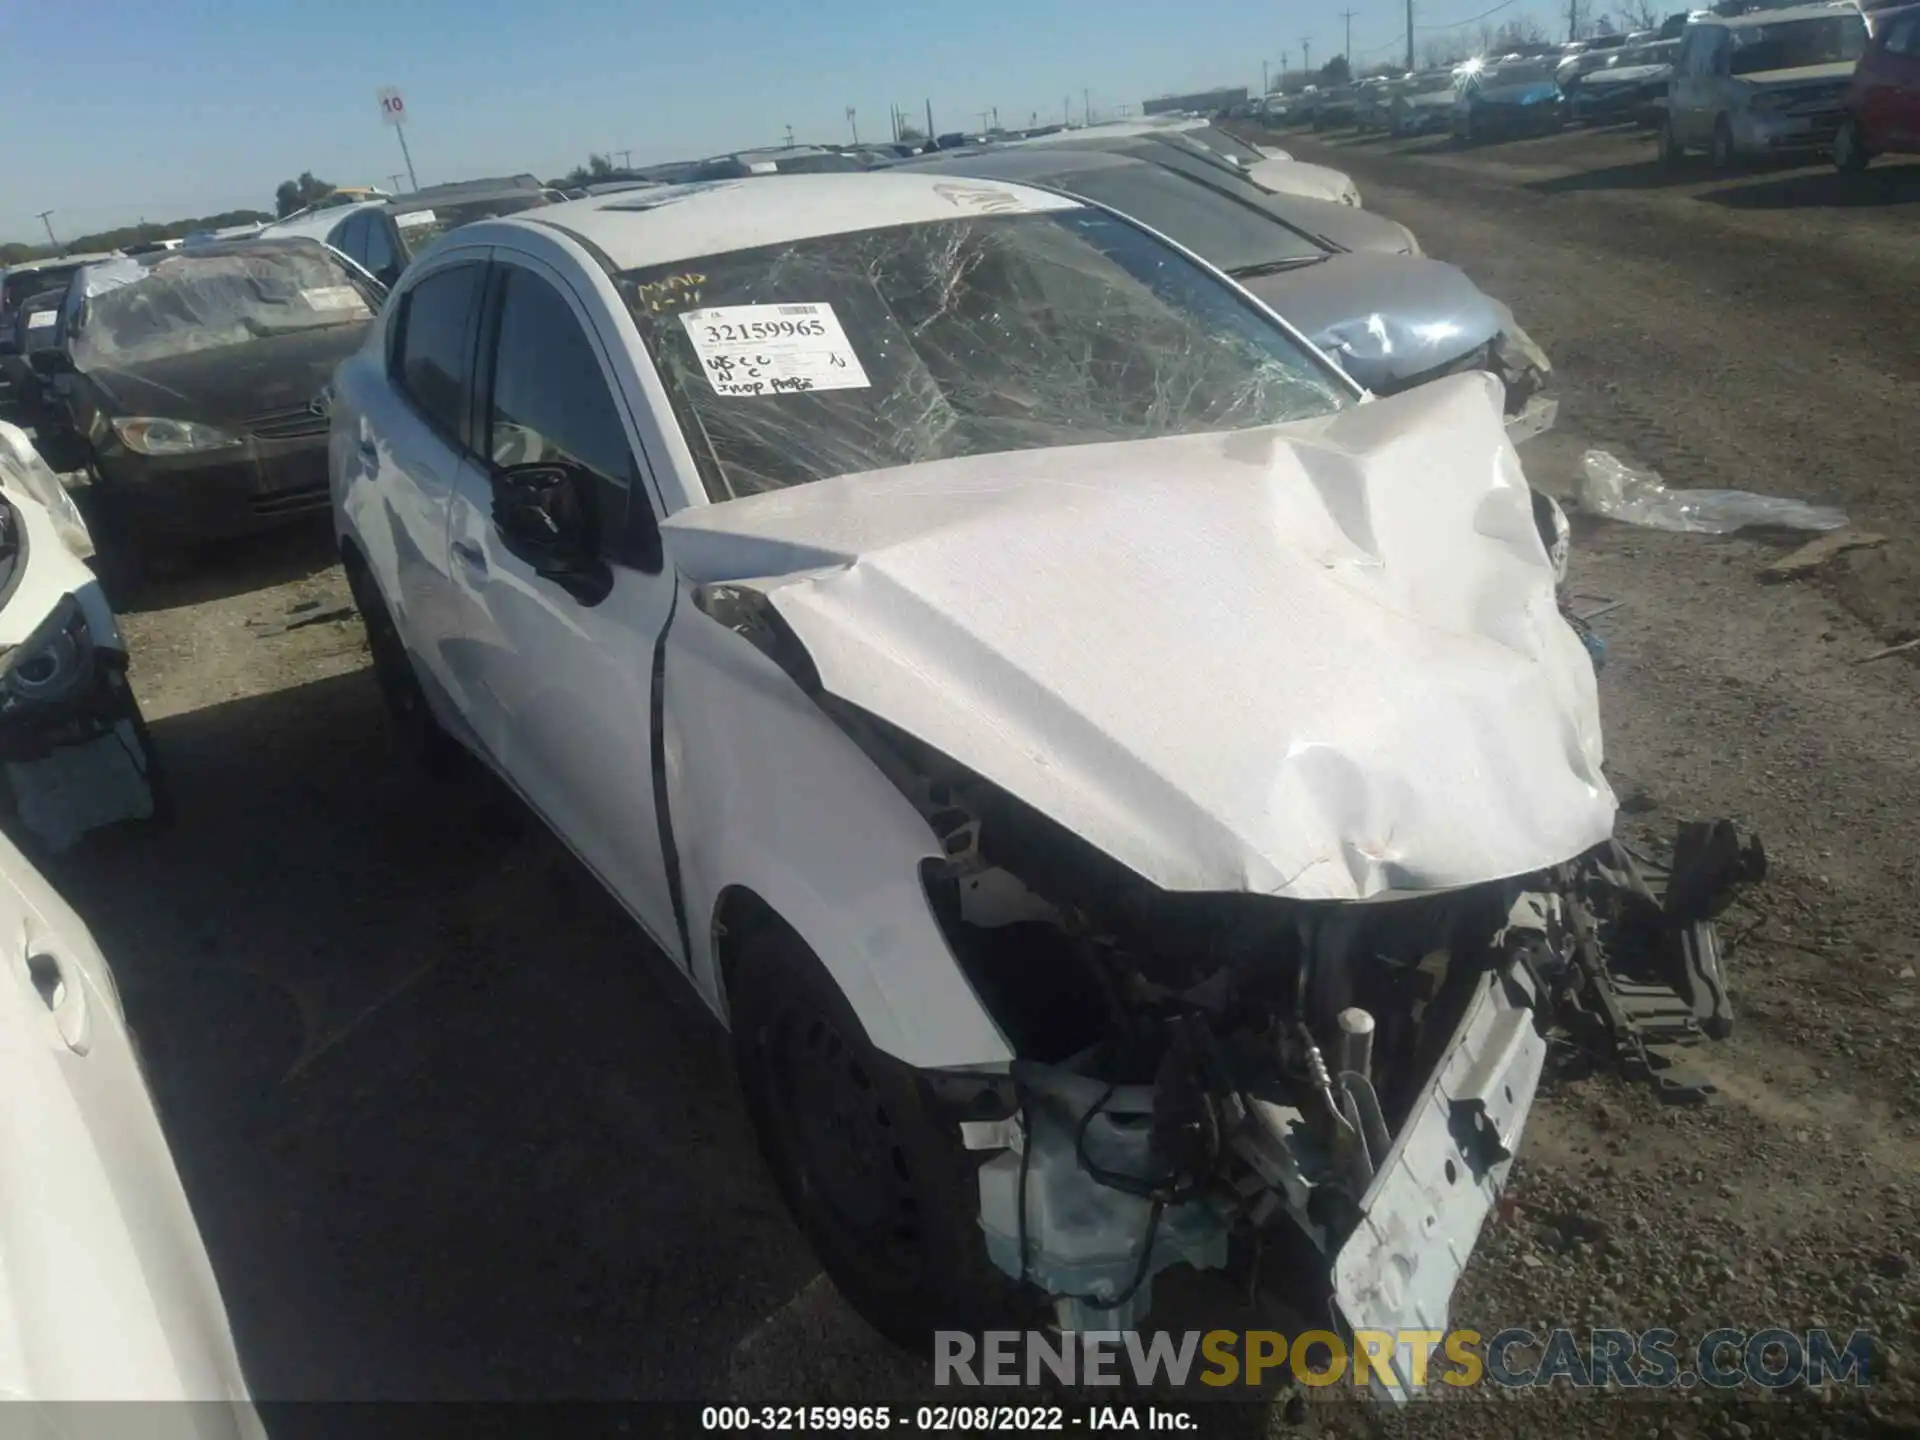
<point x="26" y="267"/>
<point x="636" y="229"/>
<point x="1754" y="18"/>
<point x="319" y="223"/>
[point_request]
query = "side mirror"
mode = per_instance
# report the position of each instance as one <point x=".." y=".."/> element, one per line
<point x="389" y="274"/>
<point x="544" y="513"/>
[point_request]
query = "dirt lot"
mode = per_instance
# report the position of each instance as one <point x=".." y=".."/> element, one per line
<point x="452" y="1130"/>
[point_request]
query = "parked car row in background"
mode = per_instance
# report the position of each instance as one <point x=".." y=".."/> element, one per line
<point x="1739" y="81"/>
<point x="188" y="385"/>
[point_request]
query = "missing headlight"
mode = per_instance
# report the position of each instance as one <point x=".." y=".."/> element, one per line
<point x="51" y="667"/>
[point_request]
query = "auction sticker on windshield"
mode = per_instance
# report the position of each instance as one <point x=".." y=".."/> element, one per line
<point x="414" y="219"/>
<point x="40" y="319"/>
<point x="332" y="297"/>
<point x="774" y="349"/>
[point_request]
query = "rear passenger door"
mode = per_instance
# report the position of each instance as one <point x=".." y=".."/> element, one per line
<point x="563" y="686"/>
<point x="417" y="443"/>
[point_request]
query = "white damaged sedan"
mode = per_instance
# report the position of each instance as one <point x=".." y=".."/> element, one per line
<point x="1134" y="799"/>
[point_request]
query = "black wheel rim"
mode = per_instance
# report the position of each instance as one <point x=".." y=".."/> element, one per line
<point x="844" y="1144"/>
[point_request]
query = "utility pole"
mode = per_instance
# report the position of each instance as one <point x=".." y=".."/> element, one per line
<point x="789" y="137"/>
<point x="1265" y="86"/>
<point x="983" y="122"/>
<point x="1086" y="107"/>
<point x="626" y="159"/>
<point x="52" y="239"/>
<point x="853" y="125"/>
<point x="1347" y="15"/>
<point x="1306" y="55"/>
<point x="1573" y="19"/>
<point x="930" y="122"/>
<point x="1283" y="68"/>
<point x="1409" y="34"/>
<point x="396" y="178"/>
<point x="1066" y="110"/>
<point x="996" y="117"/>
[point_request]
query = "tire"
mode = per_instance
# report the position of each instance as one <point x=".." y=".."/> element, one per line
<point x="886" y="1194"/>
<point x="1720" y="154"/>
<point x="129" y="560"/>
<point x="421" y="735"/>
<point x="1850" y="153"/>
<point x="1668" y="148"/>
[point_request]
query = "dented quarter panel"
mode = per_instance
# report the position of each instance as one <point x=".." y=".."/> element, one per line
<point x="768" y="793"/>
<point x="1318" y="661"/>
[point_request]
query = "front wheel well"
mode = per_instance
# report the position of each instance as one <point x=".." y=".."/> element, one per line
<point x="739" y="917"/>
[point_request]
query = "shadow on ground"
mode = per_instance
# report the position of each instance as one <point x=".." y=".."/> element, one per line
<point x="215" y="570"/>
<point x="1828" y="189"/>
<point x="1649" y="174"/>
<point x="451" y="1128"/>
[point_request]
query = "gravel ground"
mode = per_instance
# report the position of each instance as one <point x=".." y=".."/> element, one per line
<point x="453" y="1131"/>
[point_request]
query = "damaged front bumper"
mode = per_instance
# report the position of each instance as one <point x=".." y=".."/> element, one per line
<point x="1374" y="1144"/>
<point x="74" y="749"/>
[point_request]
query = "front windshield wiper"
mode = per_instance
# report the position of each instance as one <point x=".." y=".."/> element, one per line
<point x="1274" y="267"/>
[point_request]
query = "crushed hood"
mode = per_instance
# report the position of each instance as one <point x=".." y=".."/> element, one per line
<point x="1385" y="318"/>
<point x="1320" y="661"/>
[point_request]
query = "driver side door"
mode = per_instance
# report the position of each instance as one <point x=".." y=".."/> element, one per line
<point x="564" y="678"/>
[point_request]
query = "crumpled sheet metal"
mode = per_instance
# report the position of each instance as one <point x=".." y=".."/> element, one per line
<point x="1387" y="319"/>
<point x="1320" y="660"/>
<point x="22" y="468"/>
<point x="1299" y="177"/>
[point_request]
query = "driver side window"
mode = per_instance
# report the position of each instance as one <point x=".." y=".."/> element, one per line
<point x="550" y="403"/>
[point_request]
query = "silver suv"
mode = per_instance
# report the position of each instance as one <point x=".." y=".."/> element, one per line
<point x="1761" y="83"/>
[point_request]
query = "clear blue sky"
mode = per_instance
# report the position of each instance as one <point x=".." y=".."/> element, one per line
<point x="121" y="109"/>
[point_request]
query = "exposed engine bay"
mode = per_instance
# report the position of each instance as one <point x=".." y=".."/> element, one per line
<point x="1207" y="1078"/>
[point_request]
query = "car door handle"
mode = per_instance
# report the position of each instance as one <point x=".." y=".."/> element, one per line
<point x="469" y="556"/>
<point x="64" y="998"/>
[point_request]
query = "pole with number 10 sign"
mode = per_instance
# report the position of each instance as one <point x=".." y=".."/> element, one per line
<point x="393" y="110"/>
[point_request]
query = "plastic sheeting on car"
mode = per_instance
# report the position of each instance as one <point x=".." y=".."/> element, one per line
<point x="990" y="334"/>
<point x="1612" y="488"/>
<point x="187" y="300"/>
<point x="1322" y="661"/>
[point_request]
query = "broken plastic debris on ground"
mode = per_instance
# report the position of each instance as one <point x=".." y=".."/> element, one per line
<point x="1616" y="490"/>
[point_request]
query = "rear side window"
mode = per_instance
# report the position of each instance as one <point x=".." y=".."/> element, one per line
<point x="433" y="350"/>
<point x="383" y="260"/>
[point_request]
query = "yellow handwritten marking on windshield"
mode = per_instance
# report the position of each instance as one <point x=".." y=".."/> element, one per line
<point x="670" y="293"/>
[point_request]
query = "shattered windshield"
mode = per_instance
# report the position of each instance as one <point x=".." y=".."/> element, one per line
<point x="1794" y="43"/>
<point x="855" y="352"/>
<point x="189" y="302"/>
